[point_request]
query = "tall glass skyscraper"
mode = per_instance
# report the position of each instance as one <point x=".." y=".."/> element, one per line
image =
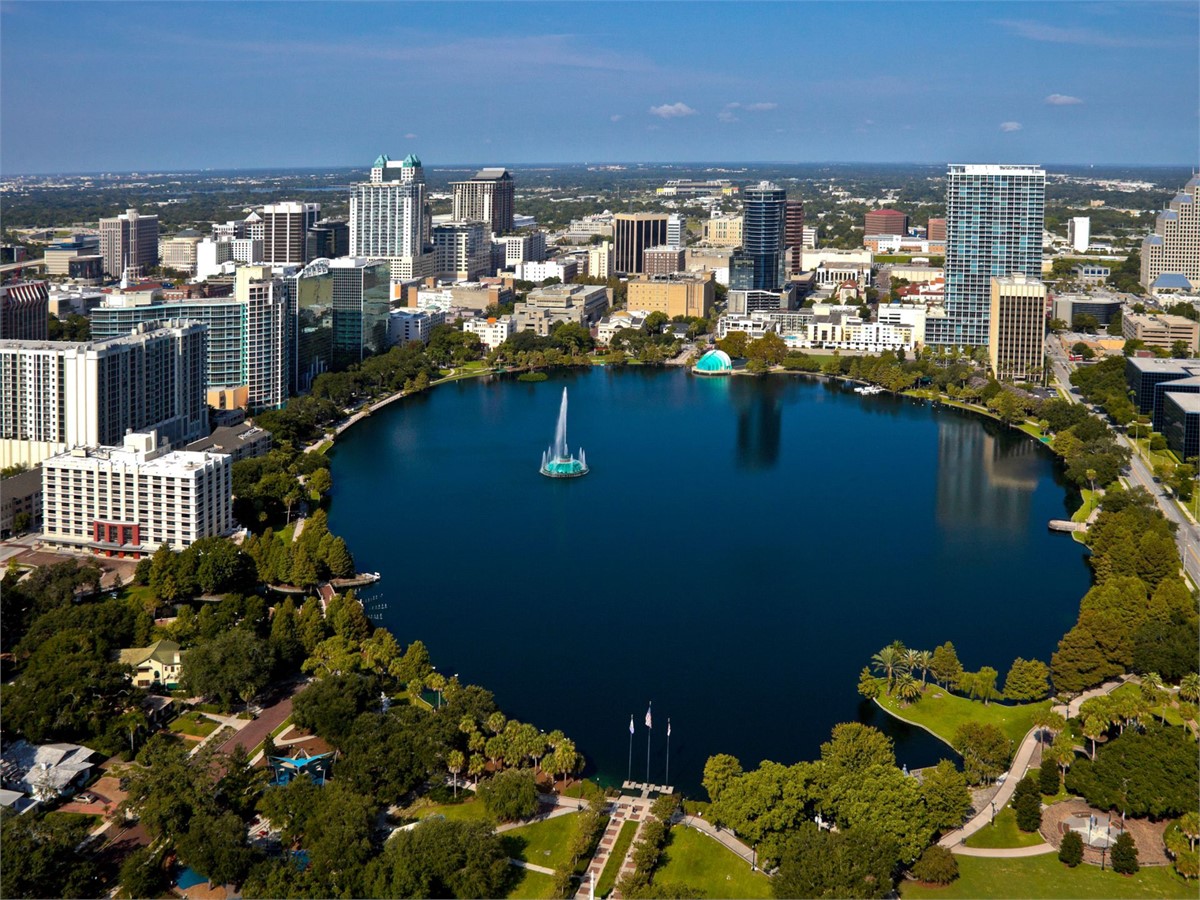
<point x="761" y="264"/>
<point x="994" y="221"/>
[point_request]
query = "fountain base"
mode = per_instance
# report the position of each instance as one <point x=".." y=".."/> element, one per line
<point x="568" y="467"/>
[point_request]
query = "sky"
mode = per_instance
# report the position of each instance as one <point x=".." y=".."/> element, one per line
<point x="108" y="86"/>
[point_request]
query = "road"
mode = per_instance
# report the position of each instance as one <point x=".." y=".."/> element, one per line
<point x="1188" y="534"/>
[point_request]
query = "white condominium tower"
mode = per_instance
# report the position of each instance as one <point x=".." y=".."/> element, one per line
<point x="1174" y="248"/>
<point x="994" y="220"/>
<point x="390" y="218"/>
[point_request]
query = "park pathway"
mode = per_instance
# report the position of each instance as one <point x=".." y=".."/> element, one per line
<point x="955" y="840"/>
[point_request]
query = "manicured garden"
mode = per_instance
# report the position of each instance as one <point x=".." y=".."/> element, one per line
<point x="194" y="724"/>
<point x="470" y="810"/>
<point x="612" y="868"/>
<point x="699" y="861"/>
<point x="1004" y="833"/>
<point x="532" y="886"/>
<point x="942" y="713"/>
<point x="1044" y="876"/>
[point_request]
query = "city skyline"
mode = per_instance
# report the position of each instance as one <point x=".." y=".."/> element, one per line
<point x="527" y="83"/>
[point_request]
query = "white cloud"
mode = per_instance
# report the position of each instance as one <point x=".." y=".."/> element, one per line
<point x="1086" y="37"/>
<point x="616" y="117"/>
<point x="1010" y="126"/>
<point x="672" y="111"/>
<point x="410" y="137"/>
<point x="761" y="107"/>
<point x="1062" y="100"/>
<point x="726" y="115"/>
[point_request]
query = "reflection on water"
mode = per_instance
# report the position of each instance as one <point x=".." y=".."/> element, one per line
<point x="759" y="407"/>
<point x="985" y="478"/>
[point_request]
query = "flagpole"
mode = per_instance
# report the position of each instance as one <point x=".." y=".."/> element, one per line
<point x="629" y="769"/>
<point x="667" y="777"/>
<point x="649" y="729"/>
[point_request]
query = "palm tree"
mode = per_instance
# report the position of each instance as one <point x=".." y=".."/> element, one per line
<point x="924" y="661"/>
<point x="1093" y="729"/>
<point x="1189" y="687"/>
<point x="911" y="660"/>
<point x="1049" y="720"/>
<point x="476" y="766"/>
<point x="886" y="661"/>
<point x="908" y="688"/>
<point x="1155" y="693"/>
<point x="455" y="762"/>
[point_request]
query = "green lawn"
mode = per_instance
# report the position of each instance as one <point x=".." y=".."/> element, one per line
<point x="531" y="886"/>
<point x="1044" y="876"/>
<point x="72" y="818"/>
<point x="195" y="724"/>
<point x="140" y="593"/>
<point x="695" y="859"/>
<point x="1004" y="833"/>
<point x="1091" y="500"/>
<point x="612" y="868"/>
<point x="942" y="713"/>
<point x="542" y="843"/>
<point x="468" y="811"/>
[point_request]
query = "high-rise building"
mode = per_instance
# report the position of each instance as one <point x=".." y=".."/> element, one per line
<point x="327" y="239"/>
<point x="1079" y="233"/>
<point x="390" y="218"/>
<point x="464" y="250"/>
<point x="723" y="231"/>
<point x="676" y="230"/>
<point x="633" y="233"/>
<point x="56" y="395"/>
<point x="25" y="311"/>
<point x="994" y="220"/>
<point x="1017" y="327"/>
<point x="132" y="498"/>
<point x="1174" y="248"/>
<point x="487" y="197"/>
<point x="285" y="228"/>
<point x="936" y="230"/>
<point x="361" y="302"/>
<point x="310" y="305"/>
<point x="665" y="260"/>
<point x="793" y="238"/>
<point x="179" y="252"/>
<point x="761" y="264"/>
<point x="129" y="241"/>
<point x="249" y="335"/>
<point x="518" y="248"/>
<point x="886" y="221"/>
<point x="600" y="260"/>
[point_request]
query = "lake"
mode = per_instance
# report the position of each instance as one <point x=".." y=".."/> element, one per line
<point x="738" y="552"/>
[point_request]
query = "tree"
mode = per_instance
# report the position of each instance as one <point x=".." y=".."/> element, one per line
<point x="853" y="748"/>
<point x="319" y="482"/>
<point x="947" y="798"/>
<point x="719" y="772"/>
<point x="215" y="845"/>
<point x="936" y="866"/>
<point x="945" y="667"/>
<point x="234" y="664"/>
<point x="441" y="859"/>
<point x="1027" y="680"/>
<point x="339" y="561"/>
<point x="141" y="874"/>
<point x="886" y="662"/>
<point x="510" y="795"/>
<point x="1070" y="851"/>
<point x="1027" y="803"/>
<point x="455" y="761"/>
<point x="1125" y="855"/>
<point x="1048" y="780"/>
<point x="815" y="863"/>
<point x="985" y="750"/>
<point x="1150" y="773"/>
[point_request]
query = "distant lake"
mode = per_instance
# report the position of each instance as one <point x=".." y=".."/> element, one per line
<point x="740" y="549"/>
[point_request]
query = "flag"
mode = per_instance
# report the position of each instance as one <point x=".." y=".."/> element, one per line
<point x="668" y="727"/>
<point x="631" y="724"/>
<point x="648" y="725"/>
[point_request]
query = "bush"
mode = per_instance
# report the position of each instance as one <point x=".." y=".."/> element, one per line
<point x="1125" y="855"/>
<point x="510" y="795"/>
<point x="1071" y="849"/>
<point x="1048" y="782"/>
<point x="937" y="865"/>
<point x="1027" y="803"/>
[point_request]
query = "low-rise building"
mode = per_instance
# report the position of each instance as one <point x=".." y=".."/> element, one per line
<point x="562" y="269"/>
<point x="1181" y="423"/>
<point x="239" y="441"/>
<point x="680" y="294"/>
<point x="406" y="325"/>
<point x="1068" y="307"/>
<point x="1091" y="273"/>
<point x="492" y="331"/>
<point x="21" y="503"/>
<point x="157" y="666"/>
<point x="911" y="316"/>
<point x="132" y="499"/>
<point x="1161" y="330"/>
<point x="623" y="318"/>
<point x="46" y="772"/>
<point x="582" y="304"/>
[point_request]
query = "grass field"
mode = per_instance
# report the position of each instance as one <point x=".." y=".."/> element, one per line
<point x="468" y="811"/>
<point x="1036" y="877"/>
<point x="942" y="713"/>
<point x="531" y="886"/>
<point x="1171" y="712"/>
<point x="1090" y="501"/>
<point x="695" y="859"/>
<point x="1004" y="833"/>
<point x="542" y="843"/>
<point x="193" y="723"/>
<point x="612" y="868"/>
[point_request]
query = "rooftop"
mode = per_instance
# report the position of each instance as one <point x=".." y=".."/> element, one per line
<point x="1189" y="403"/>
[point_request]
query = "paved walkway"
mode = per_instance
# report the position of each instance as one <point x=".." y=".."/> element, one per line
<point x="254" y="732"/>
<point x="1006" y="852"/>
<point x="955" y="840"/>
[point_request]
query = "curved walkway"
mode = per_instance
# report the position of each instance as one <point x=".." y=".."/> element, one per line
<point x="955" y="840"/>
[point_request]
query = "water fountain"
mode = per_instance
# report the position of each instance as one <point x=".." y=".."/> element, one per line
<point x="557" y="461"/>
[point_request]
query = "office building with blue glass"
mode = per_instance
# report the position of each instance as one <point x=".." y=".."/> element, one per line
<point x="761" y="264"/>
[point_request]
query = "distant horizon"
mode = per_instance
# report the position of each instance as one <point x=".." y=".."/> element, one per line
<point x="91" y="87"/>
<point x="1193" y="165"/>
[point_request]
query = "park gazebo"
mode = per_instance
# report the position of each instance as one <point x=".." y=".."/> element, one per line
<point x="285" y="768"/>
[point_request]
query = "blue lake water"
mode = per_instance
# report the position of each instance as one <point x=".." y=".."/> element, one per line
<point x="740" y="549"/>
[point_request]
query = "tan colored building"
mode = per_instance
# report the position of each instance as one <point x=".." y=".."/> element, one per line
<point x="675" y="295"/>
<point x="1174" y="248"/>
<point x="723" y="231"/>
<point x="1017" y="326"/>
<point x="599" y="260"/>
<point x="1161" y="330"/>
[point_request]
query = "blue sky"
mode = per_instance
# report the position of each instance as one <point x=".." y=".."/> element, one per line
<point x="159" y="86"/>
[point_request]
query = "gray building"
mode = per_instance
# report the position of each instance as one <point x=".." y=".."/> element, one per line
<point x="761" y="264"/>
<point x="361" y="302"/>
<point x="129" y="241"/>
<point x="1181" y="423"/>
<point x="579" y="303"/>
